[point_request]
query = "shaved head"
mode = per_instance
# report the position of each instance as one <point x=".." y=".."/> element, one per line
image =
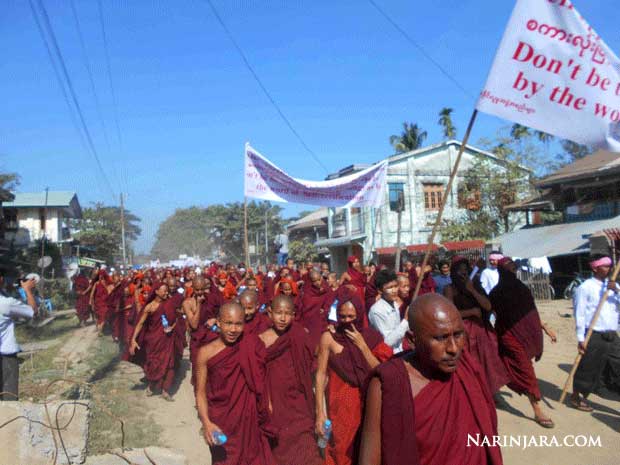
<point x="248" y="296"/>
<point x="230" y="308"/>
<point x="282" y="299"/>
<point x="438" y="332"/>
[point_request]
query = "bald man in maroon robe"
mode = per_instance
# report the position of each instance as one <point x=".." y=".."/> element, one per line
<point x="312" y="311"/>
<point x="173" y="306"/>
<point x="81" y="288"/>
<point x="520" y="335"/>
<point x="160" y="341"/>
<point x="426" y="407"/>
<point x="100" y="300"/>
<point x="116" y="316"/>
<point x="287" y="357"/>
<point x="229" y="393"/>
<point x="255" y="322"/>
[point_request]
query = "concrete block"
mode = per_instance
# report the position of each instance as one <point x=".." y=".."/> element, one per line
<point x="26" y="440"/>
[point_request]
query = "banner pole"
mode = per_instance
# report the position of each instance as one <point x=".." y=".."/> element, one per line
<point x="614" y="276"/>
<point x="245" y="232"/>
<point x="444" y="200"/>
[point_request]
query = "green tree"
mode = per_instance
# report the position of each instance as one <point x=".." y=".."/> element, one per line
<point x="217" y="229"/>
<point x="100" y="231"/>
<point x="9" y="181"/>
<point x="573" y="151"/>
<point x="302" y="251"/>
<point x="410" y="139"/>
<point x="445" y="121"/>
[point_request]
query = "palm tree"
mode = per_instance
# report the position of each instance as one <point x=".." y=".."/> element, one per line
<point x="519" y="132"/>
<point x="445" y="121"/>
<point x="410" y="139"/>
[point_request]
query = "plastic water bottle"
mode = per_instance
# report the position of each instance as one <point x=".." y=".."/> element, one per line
<point x="164" y="322"/>
<point x="333" y="311"/>
<point x="219" y="438"/>
<point x="241" y="289"/>
<point x="327" y="429"/>
<point x="492" y="319"/>
<point x="215" y="329"/>
<point x="262" y="308"/>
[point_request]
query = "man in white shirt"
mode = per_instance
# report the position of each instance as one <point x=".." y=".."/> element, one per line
<point x="490" y="276"/>
<point x="384" y="315"/>
<point x="604" y="337"/>
<point x="11" y="309"/>
<point x="282" y="244"/>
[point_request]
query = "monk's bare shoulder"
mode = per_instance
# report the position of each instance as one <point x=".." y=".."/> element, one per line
<point x="211" y="349"/>
<point x="416" y="380"/>
<point x="327" y="341"/>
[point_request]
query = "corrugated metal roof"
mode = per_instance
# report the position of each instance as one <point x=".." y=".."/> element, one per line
<point x="553" y="240"/>
<point x="593" y="165"/>
<point x="309" y="220"/>
<point x="37" y="199"/>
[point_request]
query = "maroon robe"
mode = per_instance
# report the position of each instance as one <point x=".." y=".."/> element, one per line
<point x="519" y="332"/>
<point x="359" y="280"/>
<point x="288" y="381"/>
<point x="100" y="301"/>
<point x="129" y="320"/>
<point x="82" y="305"/>
<point x="160" y="349"/>
<point x="371" y="292"/>
<point x="440" y="418"/>
<point x="115" y="312"/>
<point x="257" y="325"/>
<point x="170" y="308"/>
<point x="428" y="283"/>
<point x="235" y="387"/>
<point x="313" y="312"/>
<point x="481" y="342"/>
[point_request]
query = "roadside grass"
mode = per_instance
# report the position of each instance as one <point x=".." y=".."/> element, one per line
<point x="113" y="389"/>
<point x="37" y="369"/>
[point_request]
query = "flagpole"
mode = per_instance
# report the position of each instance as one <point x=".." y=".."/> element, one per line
<point x="444" y="200"/>
<point x="245" y="232"/>
<point x="614" y="276"/>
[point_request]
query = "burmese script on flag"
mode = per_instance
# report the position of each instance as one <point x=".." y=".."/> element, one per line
<point x="553" y="73"/>
<point x="264" y="180"/>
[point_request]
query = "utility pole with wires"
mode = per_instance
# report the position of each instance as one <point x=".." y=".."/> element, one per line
<point x="123" y="233"/>
<point x="400" y="208"/>
<point x="43" y="236"/>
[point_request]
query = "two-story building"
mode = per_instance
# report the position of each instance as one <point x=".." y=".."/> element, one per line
<point x="586" y="197"/>
<point x="418" y="177"/>
<point x="33" y="215"/>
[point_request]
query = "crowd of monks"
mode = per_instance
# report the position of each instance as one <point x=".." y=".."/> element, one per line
<point x="277" y="352"/>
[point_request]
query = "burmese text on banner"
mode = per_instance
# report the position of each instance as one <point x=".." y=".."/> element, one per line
<point x="553" y="73"/>
<point x="264" y="180"/>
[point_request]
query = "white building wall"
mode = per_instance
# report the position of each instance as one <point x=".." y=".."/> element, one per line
<point x="30" y="219"/>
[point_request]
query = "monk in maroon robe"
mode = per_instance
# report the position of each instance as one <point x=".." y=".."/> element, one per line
<point x="173" y="305"/>
<point x="100" y="305"/>
<point x="81" y="288"/>
<point x="312" y="310"/>
<point x="129" y="318"/>
<point x="287" y="356"/>
<point x="474" y="306"/>
<point x="346" y="357"/>
<point x="229" y="393"/>
<point x="115" y="312"/>
<point x="160" y="341"/>
<point x="425" y="407"/>
<point x="255" y="322"/>
<point x="520" y="335"/>
<point x="355" y="277"/>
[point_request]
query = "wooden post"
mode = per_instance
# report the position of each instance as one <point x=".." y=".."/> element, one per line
<point x="431" y="239"/>
<point x="245" y="232"/>
<point x="614" y="276"/>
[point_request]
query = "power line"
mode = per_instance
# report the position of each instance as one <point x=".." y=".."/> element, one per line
<point x="61" y="84"/>
<point x="263" y="88"/>
<point x="421" y="49"/>
<point x="78" y="108"/>
<point x="112" y="91"/>
<point x="90" y="73"/>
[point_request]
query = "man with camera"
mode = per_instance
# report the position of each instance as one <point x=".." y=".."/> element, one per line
<point x="10" y="310"/>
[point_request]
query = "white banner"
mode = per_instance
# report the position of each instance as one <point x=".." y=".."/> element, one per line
<point x="264" y="180"/>
<point x="553" y="73"/>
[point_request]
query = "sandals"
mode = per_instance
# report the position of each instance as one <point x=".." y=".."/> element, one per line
<point x="582" y="405"/>
<point x="545" y="422"/>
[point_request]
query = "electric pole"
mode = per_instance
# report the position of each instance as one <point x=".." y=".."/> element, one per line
<point x="401" y="207"/>
<point x="123" y="233"/>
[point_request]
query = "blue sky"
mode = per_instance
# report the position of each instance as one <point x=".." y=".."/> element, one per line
<point x="344" y="77"/>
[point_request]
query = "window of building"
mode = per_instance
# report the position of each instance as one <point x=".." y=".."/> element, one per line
<point x="397" y="194"/>
<point x="433" y="194"/>
<point x="10" y="218"/>
<point x="469" y="197"/>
